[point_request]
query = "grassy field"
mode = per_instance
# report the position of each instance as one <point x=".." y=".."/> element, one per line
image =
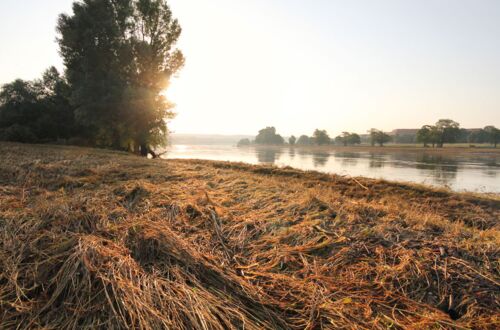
<point x="98" y="239"/>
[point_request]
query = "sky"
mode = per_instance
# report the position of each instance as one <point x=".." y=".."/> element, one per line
<point x="299" y="65"/>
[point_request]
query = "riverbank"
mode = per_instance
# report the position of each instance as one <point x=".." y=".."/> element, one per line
<point x="92" y="237"/>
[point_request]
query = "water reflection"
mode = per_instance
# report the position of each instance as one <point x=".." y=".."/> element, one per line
<point x="268" y="155"/>
<point x="492" y="163"/>
<point x="348" y="158"/>
<point x="442" y="169"/>
<point x="376" y="160"/>
<point x="344" y="154"/>
<point x="460" y="172"/>
<point x="320" y="159"/>
<point x="491" y="173"/>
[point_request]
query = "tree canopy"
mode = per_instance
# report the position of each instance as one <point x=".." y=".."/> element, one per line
<point x="119" y="57"/>
<point x="492" y="135"/>
<point x="447" y="131"/>
<point x="268" y="136"/>
<point x="427" y="134"/>
<point x="36" y="111"/>
<point x="444" y="131"/>
<point x="321" y="137"/>
<point x="304" y="140"/>
<point x="347" y="138"/>
<point x="379" y="137"/>
<point x="244" y="142"/>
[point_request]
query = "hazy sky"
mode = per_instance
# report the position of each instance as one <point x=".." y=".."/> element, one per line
<point x="306" y="64"/>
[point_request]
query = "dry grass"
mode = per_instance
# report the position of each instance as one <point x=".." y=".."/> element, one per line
<point x="96" y="239"/>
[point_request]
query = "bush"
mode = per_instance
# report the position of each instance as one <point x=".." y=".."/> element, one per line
<point x="244" y="142"/>
<point x="17" y="133"/>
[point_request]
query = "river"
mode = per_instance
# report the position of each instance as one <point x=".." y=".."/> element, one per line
<point x="477" y="172"/>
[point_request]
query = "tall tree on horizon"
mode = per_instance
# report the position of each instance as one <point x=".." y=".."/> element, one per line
<point x="120" y="57"/>
<point x="321" y="137"/>
<point x="492" y="134"/>
<point x="447" y="131"/>
<point x="379" y="137"/>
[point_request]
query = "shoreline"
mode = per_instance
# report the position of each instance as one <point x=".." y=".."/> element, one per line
<point x="363" y="181"/>
<point x="388" y="148"/>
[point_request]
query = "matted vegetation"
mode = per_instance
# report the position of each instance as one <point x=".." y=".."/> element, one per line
<point x="99" y="239"/>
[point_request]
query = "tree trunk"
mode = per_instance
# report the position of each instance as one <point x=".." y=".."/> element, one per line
<point x="144" y="150"/>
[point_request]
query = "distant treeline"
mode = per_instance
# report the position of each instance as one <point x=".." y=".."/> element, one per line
<point x="268" y="136"/>
<point x="444" y="131"/>
<point x="119" y="57"/>
<point x="449" y="131"/>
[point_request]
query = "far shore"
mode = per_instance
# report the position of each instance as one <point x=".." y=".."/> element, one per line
<point x="447" y="149"/>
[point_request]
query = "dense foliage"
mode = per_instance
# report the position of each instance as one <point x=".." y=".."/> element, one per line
<point x="449" y="131"/>
<point x="119" y="57"/>
<point x="379" y="137"/>
<point x="304" y="140"/>
<point x="321" y="137"/>
<point x="36" y="111"/>
<point x="268" y="136"/>
<point x="347" y="138"/>
<point x="244" y="142"/>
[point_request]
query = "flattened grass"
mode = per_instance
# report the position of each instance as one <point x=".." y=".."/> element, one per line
<point x="98" y="239"/>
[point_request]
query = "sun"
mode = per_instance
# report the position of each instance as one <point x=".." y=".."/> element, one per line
<point x="173" y="89"/>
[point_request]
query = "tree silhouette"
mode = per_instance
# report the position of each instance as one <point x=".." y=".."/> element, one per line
<point x="379" y="137"/>
<point x="119" y="57"/>
<point x="321" y="137"/>
<point x="268" y="136"/>
<point x="493" y="135"/>
<point x="447" y="131"/>
<point x="36" y="111"/>
<point x="304" y="140"/>
<point x="347" y="138"/>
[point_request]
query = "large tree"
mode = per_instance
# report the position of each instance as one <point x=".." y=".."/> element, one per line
<point x="425" y="135"/>
<point x="379" y="137"/>
<point x="120" y="57"/>
<point x="347" y="138"/>
<point x="304" y="140"/>
<point x="447" y="131"/>
<point x="268" y="135"/>
<point x="492" y="134"/>
<point x="321" y="137"/>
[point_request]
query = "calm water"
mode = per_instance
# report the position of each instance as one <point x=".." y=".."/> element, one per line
<point x="478" y="172"/>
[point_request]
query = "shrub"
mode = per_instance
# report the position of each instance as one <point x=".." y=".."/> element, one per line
<point x="17" y="133"/>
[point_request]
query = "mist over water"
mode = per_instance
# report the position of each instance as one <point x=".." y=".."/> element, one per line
<point x="465" y="172"/>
